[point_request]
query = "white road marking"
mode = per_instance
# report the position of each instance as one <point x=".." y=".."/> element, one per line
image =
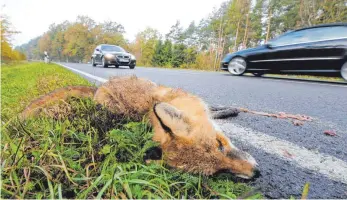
<point x="84" y="73"/>
<point x="327" y="165"/>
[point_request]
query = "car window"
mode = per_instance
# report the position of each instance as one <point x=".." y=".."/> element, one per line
<point x="311" y="35"/>
<point x="112" y="48"/>
<point x="328" y="33"/>
<point x="291" y="38"/>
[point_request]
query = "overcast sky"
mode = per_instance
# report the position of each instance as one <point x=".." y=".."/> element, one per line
<point x="33" y="17"/>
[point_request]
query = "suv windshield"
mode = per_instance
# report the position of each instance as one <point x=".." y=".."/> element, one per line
<point x="112" y="48"/>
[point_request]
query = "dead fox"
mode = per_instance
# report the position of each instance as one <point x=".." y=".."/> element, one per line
<point x="188" y="137"/>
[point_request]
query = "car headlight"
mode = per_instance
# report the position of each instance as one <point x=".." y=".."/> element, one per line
<point x="109" y="56"/>
<point x="132" y="57"/>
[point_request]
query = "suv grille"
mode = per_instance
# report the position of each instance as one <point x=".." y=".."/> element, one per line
<point x="120" y="56"/>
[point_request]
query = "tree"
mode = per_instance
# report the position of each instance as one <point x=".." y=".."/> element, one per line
<point x="178" y="55"/>
<point x="176" y="33"/>
<point x="256" y="26"/>
<point x="77" y="42"/>
<point x="190" y="35"/>
<point x="7" y="53"/>
<point x="330" y="11"/>
<point x="145" y="44"/>
<point x="158" y="57"/>
<point x="167" y="53"/>
<point x="190" y="56"/>
<point x="112" y="27"/>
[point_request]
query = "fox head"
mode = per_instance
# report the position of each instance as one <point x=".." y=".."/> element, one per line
<point x="194" y="145"/>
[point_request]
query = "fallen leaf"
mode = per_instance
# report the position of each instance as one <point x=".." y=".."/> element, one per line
<point x="330" y="133"/>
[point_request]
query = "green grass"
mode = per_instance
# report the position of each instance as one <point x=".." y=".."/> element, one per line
<point x="87" y="153"/>
<point x="22" y="82"/>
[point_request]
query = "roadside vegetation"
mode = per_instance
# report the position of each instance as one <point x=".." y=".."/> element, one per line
<point x="7" y="53"/>
<point x="86" y="152"/>
<point x="303" y="77"/>
<point x="307" y="77"/>
<point x="234" y="25"/>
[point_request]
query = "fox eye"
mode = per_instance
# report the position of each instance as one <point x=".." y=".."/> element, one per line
<point x="220" y="146"/>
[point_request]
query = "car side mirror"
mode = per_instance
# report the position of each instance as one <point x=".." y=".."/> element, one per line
<point x="97" y="49"/>
<point x="268" y="45"/>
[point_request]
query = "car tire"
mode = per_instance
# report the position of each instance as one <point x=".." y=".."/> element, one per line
<point x="104" y="64"/>
<point x="116" y="66"/>
<point x="258" y="74"/>
<point x="93" y="62"/>
<point x="237" y="66"/>
<point x="132" y="66"/>
<point x="344" y="71"/>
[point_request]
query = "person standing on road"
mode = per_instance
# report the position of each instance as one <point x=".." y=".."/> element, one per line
<point x="46" y="57"/>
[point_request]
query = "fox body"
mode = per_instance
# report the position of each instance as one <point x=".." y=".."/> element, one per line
<point x="188" y="137"/>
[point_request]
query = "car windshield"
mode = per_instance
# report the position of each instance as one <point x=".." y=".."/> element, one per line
<point x="112" y="48"/>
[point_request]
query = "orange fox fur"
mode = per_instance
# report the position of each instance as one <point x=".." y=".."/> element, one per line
<point x="182" y="125"/>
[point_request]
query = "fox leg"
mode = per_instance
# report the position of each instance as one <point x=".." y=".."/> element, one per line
<point x="221" y="112"/>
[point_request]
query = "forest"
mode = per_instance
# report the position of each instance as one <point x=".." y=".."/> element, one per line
<point x="8" y="54"/>
<point x="235" y="25"/>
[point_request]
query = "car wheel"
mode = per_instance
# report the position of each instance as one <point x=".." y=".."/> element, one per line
<point x="237" y="66"/>
<point x="344" y="71"/>
<point x="117" y="66"/>
<point x="104" y="64"/>
<point x="93" y="62"/>
<point x="258" y="74"/>
<point x="132" y="66"/>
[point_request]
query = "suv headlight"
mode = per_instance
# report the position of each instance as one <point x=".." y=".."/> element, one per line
<point x="132" y="57"/>
<point x="109" y="56"/>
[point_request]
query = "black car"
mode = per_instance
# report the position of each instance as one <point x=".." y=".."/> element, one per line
<point x="316" y="50"/>
<point x="106" y="55"/>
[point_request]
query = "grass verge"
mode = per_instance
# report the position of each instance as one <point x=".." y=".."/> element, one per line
<point x="89" y="153"/>
<point x="307" y="77"/>
<point x="23" y="82"/>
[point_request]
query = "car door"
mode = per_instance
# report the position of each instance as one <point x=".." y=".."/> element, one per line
<point x="285" y="52"/>
<point x="305" y="50"/>
<point x="327" y="49"/>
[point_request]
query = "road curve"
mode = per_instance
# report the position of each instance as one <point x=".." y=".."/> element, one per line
<point x="288" y="155"/>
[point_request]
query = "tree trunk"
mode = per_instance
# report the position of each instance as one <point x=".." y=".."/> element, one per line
<point x="246" y="32"/>
<point x="301" y="13"/>
<point x="220" y="32"/>
<point x="268" y="25"/>
<point x="211" y="51"/>
<point x="223" y="45"/>
<point x="237" y="33"/>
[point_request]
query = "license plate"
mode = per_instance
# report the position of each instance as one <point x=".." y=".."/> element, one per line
<point x="123" y="60"/>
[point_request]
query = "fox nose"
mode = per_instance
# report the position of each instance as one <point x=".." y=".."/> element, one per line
<point x="256" y="173"/>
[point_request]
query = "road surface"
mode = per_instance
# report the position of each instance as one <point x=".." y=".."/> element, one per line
<point x="288" y="155"/>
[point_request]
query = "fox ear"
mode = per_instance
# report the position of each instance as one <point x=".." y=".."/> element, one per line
<point x="171" y="119"/>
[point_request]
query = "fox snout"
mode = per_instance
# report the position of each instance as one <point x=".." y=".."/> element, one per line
<point x="246" y="166"/>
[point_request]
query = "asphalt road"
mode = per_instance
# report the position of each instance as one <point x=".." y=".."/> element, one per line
<point x="288" y="155"/>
